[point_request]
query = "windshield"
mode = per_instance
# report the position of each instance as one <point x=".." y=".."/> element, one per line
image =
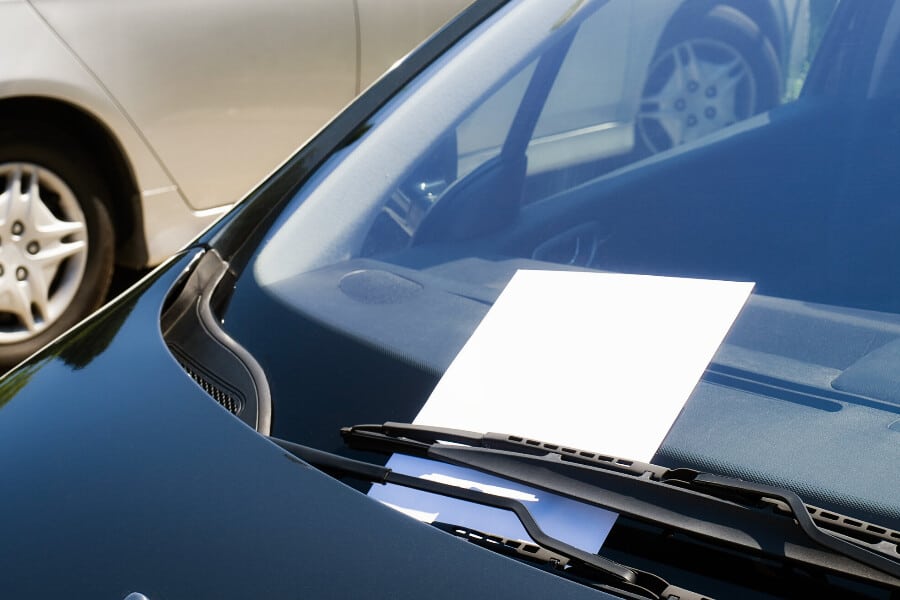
<point x="726" y="142"/>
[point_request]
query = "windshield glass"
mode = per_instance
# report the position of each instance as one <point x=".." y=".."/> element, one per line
<point x="751" y="143"/>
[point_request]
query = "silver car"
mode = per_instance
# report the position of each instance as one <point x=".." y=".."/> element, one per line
<point x="126" y="127"/>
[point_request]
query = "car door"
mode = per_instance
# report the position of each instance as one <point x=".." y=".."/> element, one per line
<point x="222" y="90"/>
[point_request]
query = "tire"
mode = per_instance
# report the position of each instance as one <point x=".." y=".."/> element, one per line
<point x="711" y="71"/>
<point x="56" y="246"/>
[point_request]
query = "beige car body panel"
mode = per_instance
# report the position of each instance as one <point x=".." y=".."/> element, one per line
<point x="221" y="89"/>
<point x="205" y="98"/>
<point x="41" y="65"/>
<point x="404" y="25"/>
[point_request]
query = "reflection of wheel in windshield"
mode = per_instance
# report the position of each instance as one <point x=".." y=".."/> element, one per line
<point x="55" y="241"/>
<point x="698" y="85"/>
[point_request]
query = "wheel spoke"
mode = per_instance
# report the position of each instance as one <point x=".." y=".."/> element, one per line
<point x="659" y="113"/>
<point x="42" y="219"/>
<point x="23" y="199"/>
<point x="719" y="74"/>
<point x="652" y="100"/>
<point x="673" y="128"/>
<point x="690" y="66"/>
<point x="670" y="122"/>
<point x="729" y="82"/>
<point x="19" y="304"/>
<point x="59" y="230"/>
<point x="36" y="210"/>
<point x="39" y="292"/>
<point x="52" y="255"/>
<point x="50" y="234"/>
<point x="679" y="76"/>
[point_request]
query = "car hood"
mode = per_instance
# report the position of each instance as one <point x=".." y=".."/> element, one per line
<point x="120" y="475"/>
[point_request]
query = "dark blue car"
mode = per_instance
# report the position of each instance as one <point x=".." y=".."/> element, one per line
<point x="215" y="431"/>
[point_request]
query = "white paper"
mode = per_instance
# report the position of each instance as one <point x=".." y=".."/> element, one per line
<point x="595" y="361"/>
<point x="602" y="362"/>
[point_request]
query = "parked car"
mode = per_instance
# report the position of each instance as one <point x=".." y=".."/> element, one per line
<point x="128" y="127"/>
<point x="209" y="433"/>
<point x="135" y="140"/>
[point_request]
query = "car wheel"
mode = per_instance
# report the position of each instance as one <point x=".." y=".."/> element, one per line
<point x="719" y="72"/>
<point x="56" y="242"/>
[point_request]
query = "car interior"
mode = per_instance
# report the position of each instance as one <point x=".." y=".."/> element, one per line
<point x="800" y="199"/>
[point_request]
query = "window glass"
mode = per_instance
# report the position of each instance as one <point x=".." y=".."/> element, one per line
<point x="684" y="139"/>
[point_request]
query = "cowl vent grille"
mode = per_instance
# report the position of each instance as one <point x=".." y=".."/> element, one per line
<point x="223" y="369"/>
<point x="233" y="405"/>
<point x="232" y="400"/>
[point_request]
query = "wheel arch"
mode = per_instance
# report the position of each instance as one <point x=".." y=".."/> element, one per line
<point x="106" y="152"/>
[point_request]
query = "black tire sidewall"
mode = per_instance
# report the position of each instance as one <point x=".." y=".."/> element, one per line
<point x="69" y="162"/>
<point x="725" y="24"/>
<point x="729" y="25"/>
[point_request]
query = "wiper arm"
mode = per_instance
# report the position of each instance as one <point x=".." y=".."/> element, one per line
<point x="752" y="516"/>
<point x="634" y="582"/>
<point x="533" y="554"/>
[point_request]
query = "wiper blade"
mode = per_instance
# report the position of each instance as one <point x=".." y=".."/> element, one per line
<point x="609" y="574"/>
<point x="538" y="556"/>
<point x="756" y="517"/>
<point x="524" y="550"/>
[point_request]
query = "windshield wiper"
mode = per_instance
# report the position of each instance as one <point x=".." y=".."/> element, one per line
<point x="607" y="574"/>
<point x="758" y="518"/>
<point x="545" y="559"/>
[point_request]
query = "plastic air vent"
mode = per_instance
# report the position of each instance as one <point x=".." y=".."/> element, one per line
<point x="218" y="364"/>
<point x="231" y="399"/>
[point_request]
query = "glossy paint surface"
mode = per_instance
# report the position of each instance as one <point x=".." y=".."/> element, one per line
<point x="104" y="438"/>
<point x="120" y="475"/>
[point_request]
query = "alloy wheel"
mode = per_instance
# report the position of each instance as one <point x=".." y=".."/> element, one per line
<point x="694" y="88"/>
<point x="43" y="249"/>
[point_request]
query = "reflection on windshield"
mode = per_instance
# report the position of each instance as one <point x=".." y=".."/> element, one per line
<point x="659" y="138"/>
<point x="549" y="116"/>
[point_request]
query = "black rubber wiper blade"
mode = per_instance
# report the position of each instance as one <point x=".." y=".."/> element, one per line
<point x="533" y="554"/>
<point x="883" y="556"/>
<point x="518" y="548"/>
<point x="758" y="518"/>
<point x="418" y="439"/>
<point x="631" y="581"/>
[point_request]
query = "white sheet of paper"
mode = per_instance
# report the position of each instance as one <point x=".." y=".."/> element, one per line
<point x="595" y="361"/>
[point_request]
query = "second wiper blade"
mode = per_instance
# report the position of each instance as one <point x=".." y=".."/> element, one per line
<point x="625" y="580"/>
<point x="758" y="518"/>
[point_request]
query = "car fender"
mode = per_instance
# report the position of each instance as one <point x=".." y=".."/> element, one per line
<point x="42" y="66"/>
